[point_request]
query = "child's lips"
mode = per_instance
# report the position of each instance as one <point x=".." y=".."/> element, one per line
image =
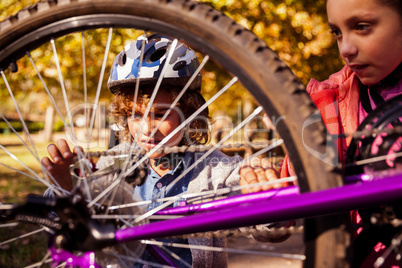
<point x="150" y="143"/>
<point x="358" y="68"/>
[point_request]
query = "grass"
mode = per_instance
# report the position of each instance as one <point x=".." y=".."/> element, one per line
<point x="22" y="252"/>
<point x="14" y="188"/>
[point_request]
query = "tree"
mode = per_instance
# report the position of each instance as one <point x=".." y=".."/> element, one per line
<point x="295" y="29"/>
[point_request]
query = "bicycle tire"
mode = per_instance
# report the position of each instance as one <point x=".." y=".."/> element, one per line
<point x="259" y="69"/>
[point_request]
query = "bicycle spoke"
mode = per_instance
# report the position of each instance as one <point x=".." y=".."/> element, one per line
<point x="26" y="174"/>
<point x="182" y="125"/>
<point x="129" y="258"/>
<point x="202" y="158"/>
<point x="175" y="101"/>
<point x="395" y="243"/>
<point x="21" y="236"/>
<point x="16" y="106"/>
<point x="128" y="161"/>
<point x="208" y="194"/>
<point x="130" y="217"/>
<point x="47" y="90"/>
<point x="159" y="145"/>
<point x="34" y="174"/>
<point x="70" y="124"/>
<point x="62" y="86"/>
<point x="85" y="89"/>
<point x="174" y="256"/>
<point x="44" y="170"/>
<point x="34" y="154"/>
<point x="145" y="115"/>
<point x="46" y="259"/>
<point x="102" y="73"/>
<point x="25" y="128"/>
<point x="68" y="129"/>
<point x="84" y="82"/>
<point x="138" y="260"/>
<point x="374" y="159"/>
<point x="220" y="249"/>
<point x="7" y="225"/>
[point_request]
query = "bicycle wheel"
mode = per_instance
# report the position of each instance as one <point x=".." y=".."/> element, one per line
<point x="209" y="32"/>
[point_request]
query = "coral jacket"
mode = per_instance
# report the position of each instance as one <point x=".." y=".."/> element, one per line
<point x="337" y="98"/>
<point x="338" y="101"/>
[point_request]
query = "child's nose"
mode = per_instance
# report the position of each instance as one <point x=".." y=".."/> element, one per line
<point x="148" y="126"/>
<point x="348" y="48"/>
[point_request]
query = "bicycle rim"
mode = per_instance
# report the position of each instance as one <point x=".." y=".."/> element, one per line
<point x="236" y="49"/>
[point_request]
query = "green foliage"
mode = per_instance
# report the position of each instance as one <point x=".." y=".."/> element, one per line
<point x="17" y="125"/>
<point x="10" y="7"/>
<point x="18" y="254"/>
<point x="295" y="29"/>
<point x="32" y="126"/>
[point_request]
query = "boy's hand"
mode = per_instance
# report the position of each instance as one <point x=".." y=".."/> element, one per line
<point x="59" y="162"/>
<point x="260" y="170"/>
<point x="257" y="171"/>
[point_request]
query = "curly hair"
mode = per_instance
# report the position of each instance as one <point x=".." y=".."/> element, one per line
<point x="196" y="132"/>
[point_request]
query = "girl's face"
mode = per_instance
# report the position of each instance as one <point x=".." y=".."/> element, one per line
<point x="141" y="129"/>
<point x="369" y="37"/>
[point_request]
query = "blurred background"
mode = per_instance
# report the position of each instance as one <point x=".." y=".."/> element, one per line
<point x="295" y="29"/>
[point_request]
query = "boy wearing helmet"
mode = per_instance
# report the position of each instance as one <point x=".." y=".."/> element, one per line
<point x="140" y="115"/>
<point x="147" y="132"/>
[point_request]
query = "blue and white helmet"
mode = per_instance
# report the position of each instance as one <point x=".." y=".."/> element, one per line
<point x="126" y="66"/>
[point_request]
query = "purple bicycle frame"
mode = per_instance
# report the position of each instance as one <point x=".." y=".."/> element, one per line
<point x="271" y="206"/>
<point x="256" y="208"/>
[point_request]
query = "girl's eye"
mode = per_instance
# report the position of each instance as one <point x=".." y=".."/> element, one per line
<point x="362" y="27"/>
<point x="336" y="33"/>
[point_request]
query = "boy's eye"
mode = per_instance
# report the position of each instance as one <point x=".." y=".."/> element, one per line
<point x="159" y="115"/>
<point x="135" y="117"/>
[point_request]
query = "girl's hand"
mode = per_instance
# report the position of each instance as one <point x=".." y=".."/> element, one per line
<point x="257" y="171"/>
<point x="59" y="162"/>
